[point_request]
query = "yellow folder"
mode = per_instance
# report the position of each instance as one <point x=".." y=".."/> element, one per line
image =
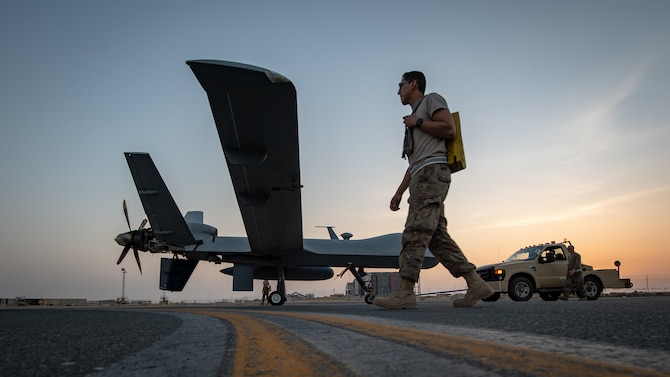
<point x="455" y="151"/>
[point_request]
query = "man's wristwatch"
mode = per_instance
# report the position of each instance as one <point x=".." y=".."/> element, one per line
<point x="419" y="122"/>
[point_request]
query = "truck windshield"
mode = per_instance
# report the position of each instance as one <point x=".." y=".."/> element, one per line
<point x="529" y="253"/>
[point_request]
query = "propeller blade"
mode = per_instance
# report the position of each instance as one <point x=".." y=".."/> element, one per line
<point x="137" y="258"/>
<point x="125" y="212"/>
<point x="123" y="254"/>
<point x="144" y="222"/>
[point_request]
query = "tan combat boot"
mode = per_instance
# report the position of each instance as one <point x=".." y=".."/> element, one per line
<point x="477" y="290"/>
<point x="402" y="298"/>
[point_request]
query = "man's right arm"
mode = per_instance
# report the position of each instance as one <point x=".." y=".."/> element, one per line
<point x="395" y="200"/>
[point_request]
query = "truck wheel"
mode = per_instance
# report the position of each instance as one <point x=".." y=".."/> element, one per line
<point x="592" y="287"/>
<point x="520" y="289"/>
<point x="492" y="298"/>
<point x="549" y="296"/>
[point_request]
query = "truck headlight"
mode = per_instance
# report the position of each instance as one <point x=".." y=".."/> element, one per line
<point x="499" y="274"/>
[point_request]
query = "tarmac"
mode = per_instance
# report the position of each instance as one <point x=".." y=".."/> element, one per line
<point x="617" y="337"/>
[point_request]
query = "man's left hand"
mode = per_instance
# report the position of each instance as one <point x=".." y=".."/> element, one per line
<point x="410" y="120"/>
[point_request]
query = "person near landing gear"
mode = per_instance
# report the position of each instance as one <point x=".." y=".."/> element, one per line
<point x="266" y="291"/>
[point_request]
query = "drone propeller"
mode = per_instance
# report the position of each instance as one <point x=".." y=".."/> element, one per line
<point x="125" y="212"/>
<point x="133" y="239"/>
<point x="137" y="258"/>
<point x="123" y="254"/>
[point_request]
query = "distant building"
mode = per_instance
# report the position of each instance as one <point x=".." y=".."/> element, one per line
<point x="383" y="283"/>
<point x="23" y="301"/>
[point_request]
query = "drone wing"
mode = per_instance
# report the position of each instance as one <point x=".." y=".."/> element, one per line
<point x="256" y="117"/>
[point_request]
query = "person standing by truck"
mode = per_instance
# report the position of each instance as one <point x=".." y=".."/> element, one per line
<point x="574" y="276"/>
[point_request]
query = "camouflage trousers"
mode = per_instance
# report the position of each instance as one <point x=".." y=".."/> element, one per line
<point x="575" y="281"/>
<point x="426" y="225"/>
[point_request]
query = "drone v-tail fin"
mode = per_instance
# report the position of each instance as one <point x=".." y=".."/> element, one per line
<point x="164" y="216"/>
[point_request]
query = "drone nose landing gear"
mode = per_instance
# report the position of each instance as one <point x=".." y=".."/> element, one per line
<point x="358" y="274"/>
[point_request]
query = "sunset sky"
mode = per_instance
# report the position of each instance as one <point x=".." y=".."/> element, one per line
<point x="564" y="109"/>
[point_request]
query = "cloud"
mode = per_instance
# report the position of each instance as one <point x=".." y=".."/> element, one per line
<point x="579" y="211"/>
<point x="592" y="129"/>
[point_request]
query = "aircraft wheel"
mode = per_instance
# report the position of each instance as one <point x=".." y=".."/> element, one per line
<point x="276" y="299"/>
<point x="369" y="298"/>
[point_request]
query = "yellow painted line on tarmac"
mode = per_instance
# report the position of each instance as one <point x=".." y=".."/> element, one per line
<point x="265" y="349"/>
<point x="513" y="358"/>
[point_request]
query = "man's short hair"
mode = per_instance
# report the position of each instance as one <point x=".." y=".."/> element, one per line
<point x="418" y="77"/>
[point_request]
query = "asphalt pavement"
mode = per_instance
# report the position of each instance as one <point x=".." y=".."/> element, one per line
<point x="609" y="336"/>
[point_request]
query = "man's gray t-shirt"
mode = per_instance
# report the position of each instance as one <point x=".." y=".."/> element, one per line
<point x="425" y="145"/>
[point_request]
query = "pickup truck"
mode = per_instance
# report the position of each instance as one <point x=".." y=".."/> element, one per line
<point x="542" y="269"/>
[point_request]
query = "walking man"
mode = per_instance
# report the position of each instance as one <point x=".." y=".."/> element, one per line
<point x="428" y="178"/>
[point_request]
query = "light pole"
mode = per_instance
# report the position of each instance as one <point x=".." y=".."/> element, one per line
<point x="123" y="286"/>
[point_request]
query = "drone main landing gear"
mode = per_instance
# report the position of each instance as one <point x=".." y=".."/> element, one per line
<point x="278" y="297"/>
<point x="358" y="274"/>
